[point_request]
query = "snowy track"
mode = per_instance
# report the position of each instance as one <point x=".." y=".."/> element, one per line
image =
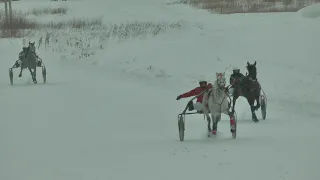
<point x="73" y="128"/>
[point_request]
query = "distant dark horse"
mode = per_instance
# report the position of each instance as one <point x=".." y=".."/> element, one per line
<point x="29" y="60"/>
<point x="249" y="88"/>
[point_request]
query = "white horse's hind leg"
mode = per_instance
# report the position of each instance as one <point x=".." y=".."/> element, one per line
<point x="215" y="115"/>
<point x="206" y="112"/>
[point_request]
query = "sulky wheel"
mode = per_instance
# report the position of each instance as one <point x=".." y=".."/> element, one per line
<point x="44" y="74"/>
<point x="11" y="76"/>
<point x="263" y="107"/>
<point x="181" y="126"/>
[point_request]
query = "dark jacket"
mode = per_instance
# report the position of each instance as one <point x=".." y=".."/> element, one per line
<point x="236" y="78"/>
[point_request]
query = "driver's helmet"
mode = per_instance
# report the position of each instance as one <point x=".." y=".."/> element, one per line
<point x="236" y="70"/>
<point x="203" y="82"/>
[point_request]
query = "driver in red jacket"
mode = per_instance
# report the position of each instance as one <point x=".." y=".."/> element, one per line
<point x="194" y="92"/>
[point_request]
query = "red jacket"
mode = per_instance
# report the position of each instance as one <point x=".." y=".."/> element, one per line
<point x="195" y="92"/>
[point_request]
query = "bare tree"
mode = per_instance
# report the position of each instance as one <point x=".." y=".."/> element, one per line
<point x="286" y="3"/>
<point x="6" y="10"/>
<point x="10" y="11"/>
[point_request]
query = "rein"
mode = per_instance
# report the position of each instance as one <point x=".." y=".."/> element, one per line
<point x="209" y="94"/>
<point x="220" y="104"/>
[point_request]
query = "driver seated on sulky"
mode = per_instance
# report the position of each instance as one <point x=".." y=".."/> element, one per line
<point x="203" y="85"/>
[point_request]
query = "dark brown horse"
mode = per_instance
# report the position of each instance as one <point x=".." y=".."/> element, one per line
<point x="249" y="88"/>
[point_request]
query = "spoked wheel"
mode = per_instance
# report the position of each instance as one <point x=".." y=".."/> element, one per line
<point x="44" y="74"/>
<point x="263" y="103"/>
<point x="181" y="126"/>
<point x="11" y="76"/>
<point x="233" y="125"/>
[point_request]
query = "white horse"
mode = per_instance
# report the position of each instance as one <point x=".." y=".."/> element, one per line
<point x="215" y="101"/>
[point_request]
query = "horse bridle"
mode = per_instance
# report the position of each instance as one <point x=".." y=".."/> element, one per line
<point x="219" y="88"/>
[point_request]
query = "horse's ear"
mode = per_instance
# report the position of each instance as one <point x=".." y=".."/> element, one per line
<point x="224" y="73"/>
<point x="255" y="63"/>
<point x="248" y="63"/>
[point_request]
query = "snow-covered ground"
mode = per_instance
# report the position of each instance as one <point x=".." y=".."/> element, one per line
<point x="113" y="115"/>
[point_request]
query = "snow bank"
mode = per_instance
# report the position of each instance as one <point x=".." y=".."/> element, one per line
<point x="312" y="11"/>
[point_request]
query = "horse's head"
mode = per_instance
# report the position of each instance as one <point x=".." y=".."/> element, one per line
<point x="252" y="70"/>
<point x="32" y="47"/>
<point x="221" y="80"/>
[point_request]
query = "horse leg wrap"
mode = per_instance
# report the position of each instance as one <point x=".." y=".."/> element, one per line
<point x="214" y="126"/>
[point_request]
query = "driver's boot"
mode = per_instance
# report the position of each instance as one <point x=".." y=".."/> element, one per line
<point x="16" y="65"/>
<point x="190" y="106"/>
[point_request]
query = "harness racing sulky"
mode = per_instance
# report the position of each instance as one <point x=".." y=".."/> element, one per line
<point x="249" y="87"/>
<point x="216" y="101"/>
<point x="29" y="59"/>
<point x="219" y="99"/>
